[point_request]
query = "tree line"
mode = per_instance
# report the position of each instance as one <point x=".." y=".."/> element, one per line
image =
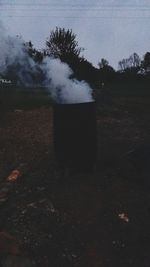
<point x="62" y="44"/>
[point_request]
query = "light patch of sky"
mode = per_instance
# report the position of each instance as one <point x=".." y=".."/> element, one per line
<point x="112" y="29"/>
<point x="126" y="38"/>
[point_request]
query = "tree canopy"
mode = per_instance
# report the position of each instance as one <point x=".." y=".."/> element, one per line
<point x="146" y="62"/>
<point x="62" y="44"/>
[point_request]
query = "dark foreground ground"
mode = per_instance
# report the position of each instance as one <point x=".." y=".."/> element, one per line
<point x="102" y="218"/>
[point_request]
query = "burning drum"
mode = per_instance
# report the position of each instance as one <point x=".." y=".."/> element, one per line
<point x="75" y="134"/>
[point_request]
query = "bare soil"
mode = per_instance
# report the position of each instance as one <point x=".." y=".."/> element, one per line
<point x="63" y="218"/>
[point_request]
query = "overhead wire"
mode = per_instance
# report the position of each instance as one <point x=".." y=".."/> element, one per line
<point x="80" y="8"/>
<point x="77" y="17"/>
<point x="73" y="5"/>
<point x="47" y="7"/>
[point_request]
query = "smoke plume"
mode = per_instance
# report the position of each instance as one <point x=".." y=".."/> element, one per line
<point x="56" y="76"/>
<point x="62" y="88"/>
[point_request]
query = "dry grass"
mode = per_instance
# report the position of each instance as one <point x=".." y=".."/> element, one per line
<point x="74" y="219"/>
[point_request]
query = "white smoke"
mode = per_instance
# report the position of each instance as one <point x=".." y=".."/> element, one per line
<point x="11" y="50"/>
<point x="63" y="89"/>
<point x="15" y="60"/>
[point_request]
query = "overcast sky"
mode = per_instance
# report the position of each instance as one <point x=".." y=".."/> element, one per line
<point x="112" y="29"/>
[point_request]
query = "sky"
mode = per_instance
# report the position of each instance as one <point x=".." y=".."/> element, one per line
<point x="110" y="29"/>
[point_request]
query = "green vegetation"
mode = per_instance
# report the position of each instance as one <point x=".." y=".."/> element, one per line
<point x="23" y="99"/>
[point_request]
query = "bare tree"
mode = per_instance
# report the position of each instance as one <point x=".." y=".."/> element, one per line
<point x="133" y="61"/>
<point x="103" y="63"/>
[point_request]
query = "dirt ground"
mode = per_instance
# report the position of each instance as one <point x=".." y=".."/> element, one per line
<point x="87" y="219"/>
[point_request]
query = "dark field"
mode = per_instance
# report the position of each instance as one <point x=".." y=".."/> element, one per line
<point x="61" y="219"/>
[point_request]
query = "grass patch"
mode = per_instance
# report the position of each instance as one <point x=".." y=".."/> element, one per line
<point x="21" y="99"/>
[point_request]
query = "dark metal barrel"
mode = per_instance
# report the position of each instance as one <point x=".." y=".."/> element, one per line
<point x="75" y="139"/>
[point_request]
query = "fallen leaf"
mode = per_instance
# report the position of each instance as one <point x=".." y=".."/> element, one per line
<point x="124" y="217"/>
<point x="15" y="174"/>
